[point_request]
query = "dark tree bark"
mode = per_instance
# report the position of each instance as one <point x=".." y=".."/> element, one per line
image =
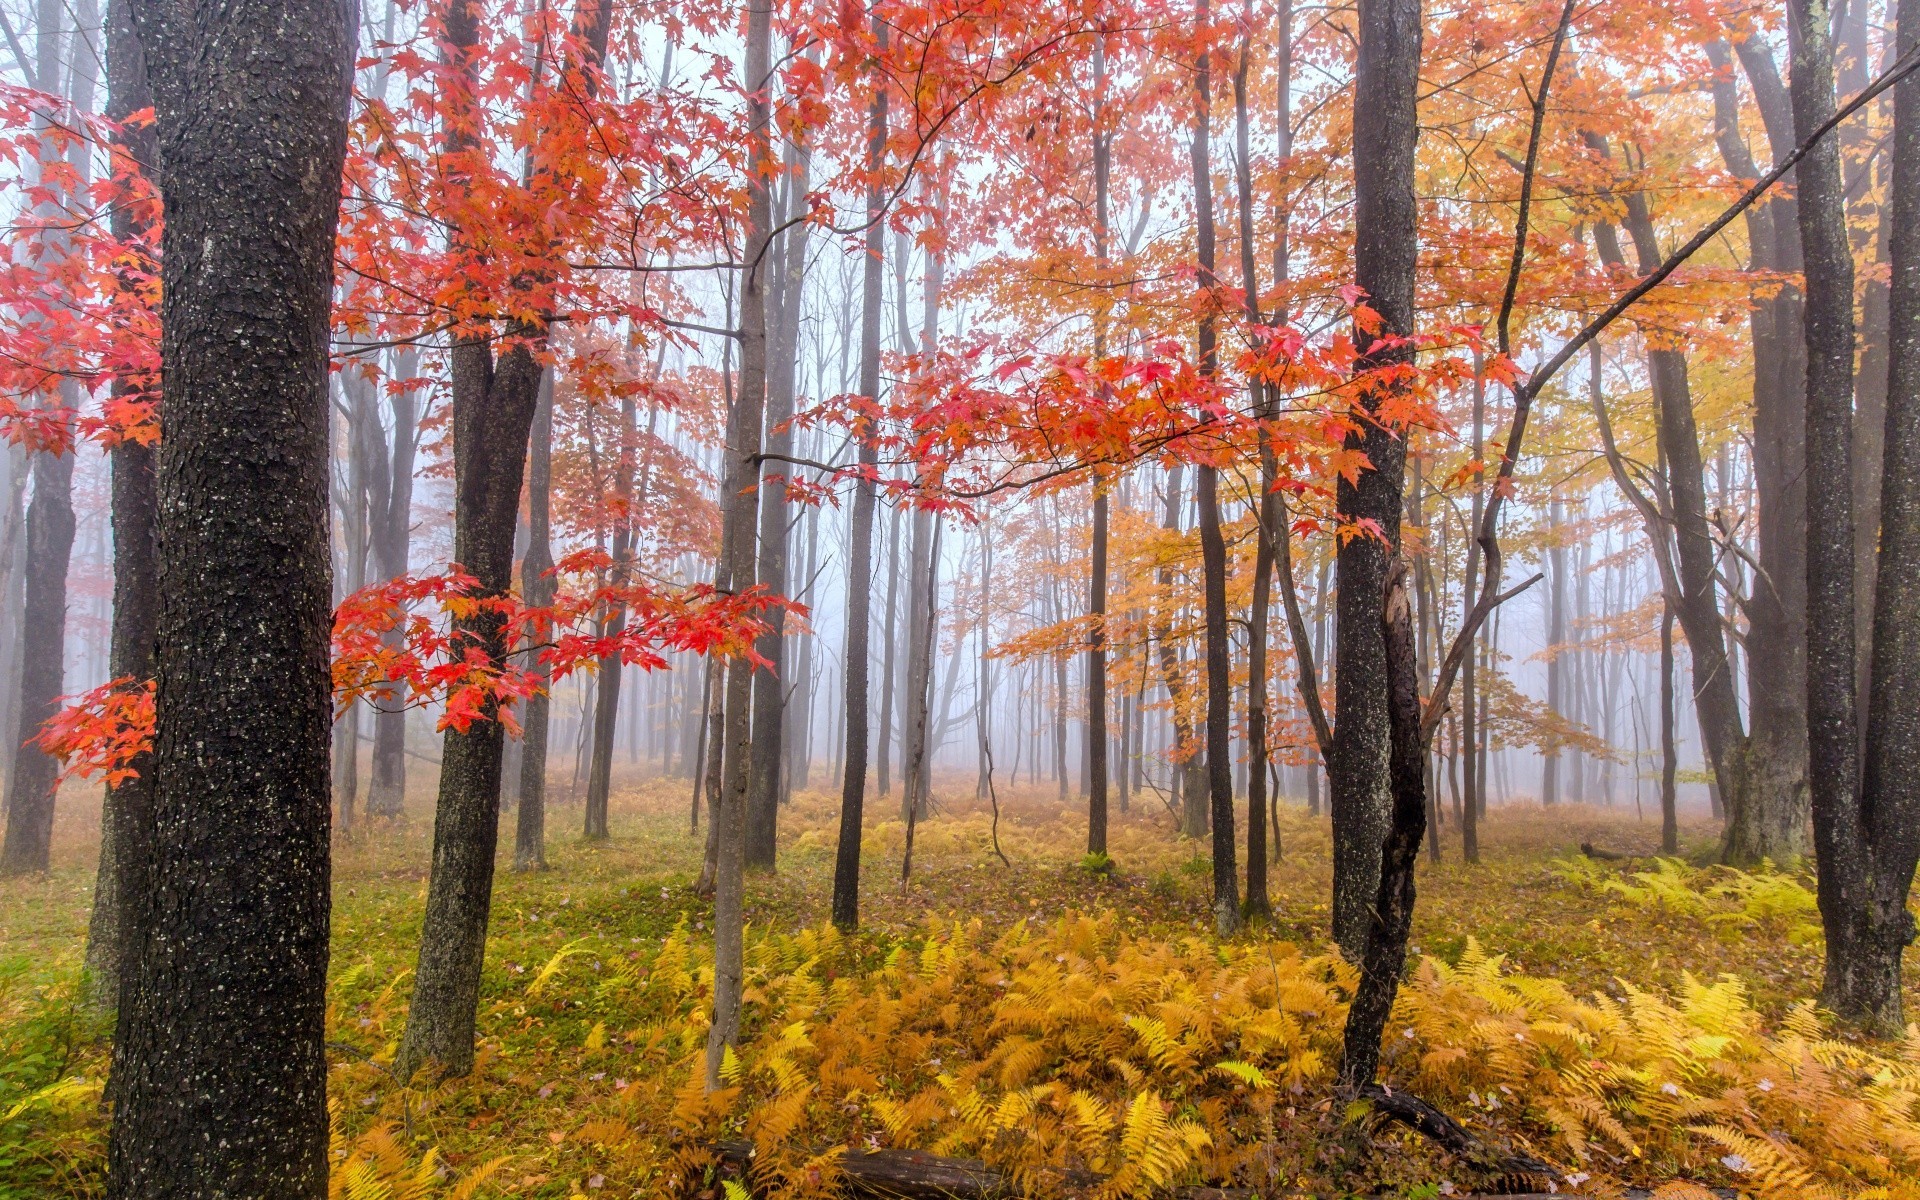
<point x="1833" y="773"/>
<point x="1863" y="966"/>
<point x="1391" y="915"/>
<point x="853" y="786"/>
<point x="537" y="589"/>
<point x="219" y="1071"/>
<point x="1384" y="252"/>
<point x="493" y="407"/>
<point x="1267" y="507"/>
<point x="1213" y="548"/>
<point x="126" y="814"/>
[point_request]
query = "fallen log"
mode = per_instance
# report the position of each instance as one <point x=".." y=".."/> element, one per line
<point x="918" y="1175"/>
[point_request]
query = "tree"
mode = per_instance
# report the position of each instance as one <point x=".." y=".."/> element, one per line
<point x="126" y="814"/>
<point x="495" y="393"/>
<point x="853" y="788"/>
<point x="50" y="522"/>
<point x="224" y="1002"/>
<point x="1869" y="845"/>
<point x="739" y="488"/>
<point x="1213" y="550"/>
<point x="1370" y="506"/>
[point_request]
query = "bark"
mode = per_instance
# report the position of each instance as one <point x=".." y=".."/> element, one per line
<point x="1189" y="784"/>
<point x="34" y="776"/>
<point x="222" y="1019"/>
<point x="771" y="686"/>
<point x="1266" y="517"/>
<point x="1696" y="603"/>
<point x="1472" y="755"/>
<point x="1213" y="549"/>
<point x="853" y="784"/>
<point x="740" y="493"/>
<point x="1669" y="756"/>
<point x="1864" y="966"/>
<point x="493" y="407"/>
<point x="1774" y="823"/>
<point x="888" y="672"/>
<point x="126" y="814"/>
<point x="1384" y="220"/>
<point x="1556" y="636"/>
<point x="607" y="684"/>
<point x="1390" y="917"/>
<point x="350" y="570"/>
<point x="392" y="532"/>
<point x="914" y="702"/>
<point x="1097" y="583"/>
<point x="1842" y="852"/>
<point x="537" y="589"/>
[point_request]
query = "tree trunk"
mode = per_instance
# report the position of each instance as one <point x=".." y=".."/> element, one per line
<point x="1842" y="850"/>
<point x="537" y="590"/>
<point x="770" y="686"/>
<point x="392" y="532"/>
<point x="1097" y="583"/>
<point x="126" y="813"/>
<point x="889" y="672"/>
<point x="219" y="1066"/>
<point x="740" y="495"/>
<point x="853" y="783"/>
<point x="1384" y="218"/>
<point x="1385" y="242"/>
<point x="1213" y="550"/>
<point x="1556" y="635"/>
<point x="1863" y="968"/>
<point x="607" y="684"/>
<point x="49" y="548"/>
<point x="1774" y="824"/>
<point x="1669" y="756"/>
<point x="1267" y="518"/>
<point x="492" y="411"/>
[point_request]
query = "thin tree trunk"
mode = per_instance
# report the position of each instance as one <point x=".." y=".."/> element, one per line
<point x="737" y="547"/>
<point x="853" y="788"/>
<point x="1669" y="756"/>
<point x="219" y="1062"/>
<point x="537" y="589"/>
<point x="126" y="814"/>
<point x="607" y="684"/>
<point x="49" y="549"/>
<point x="771" y="685"/>
<point x="1213" y="549"/>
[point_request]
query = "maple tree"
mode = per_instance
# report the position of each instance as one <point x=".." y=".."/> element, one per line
<point x="1209" y="405"/>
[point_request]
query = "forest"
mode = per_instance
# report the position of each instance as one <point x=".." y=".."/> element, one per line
<point x="551" y="645"/>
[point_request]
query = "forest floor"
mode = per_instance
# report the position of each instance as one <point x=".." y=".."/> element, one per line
<point x="592" y="1011"/>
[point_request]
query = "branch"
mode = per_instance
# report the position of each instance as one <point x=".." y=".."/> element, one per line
<point x="1526" y="179"/>
<point x="1523" y="394"/>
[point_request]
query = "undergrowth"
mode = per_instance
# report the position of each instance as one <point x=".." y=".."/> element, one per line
<point x="1075" y="1026"/>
